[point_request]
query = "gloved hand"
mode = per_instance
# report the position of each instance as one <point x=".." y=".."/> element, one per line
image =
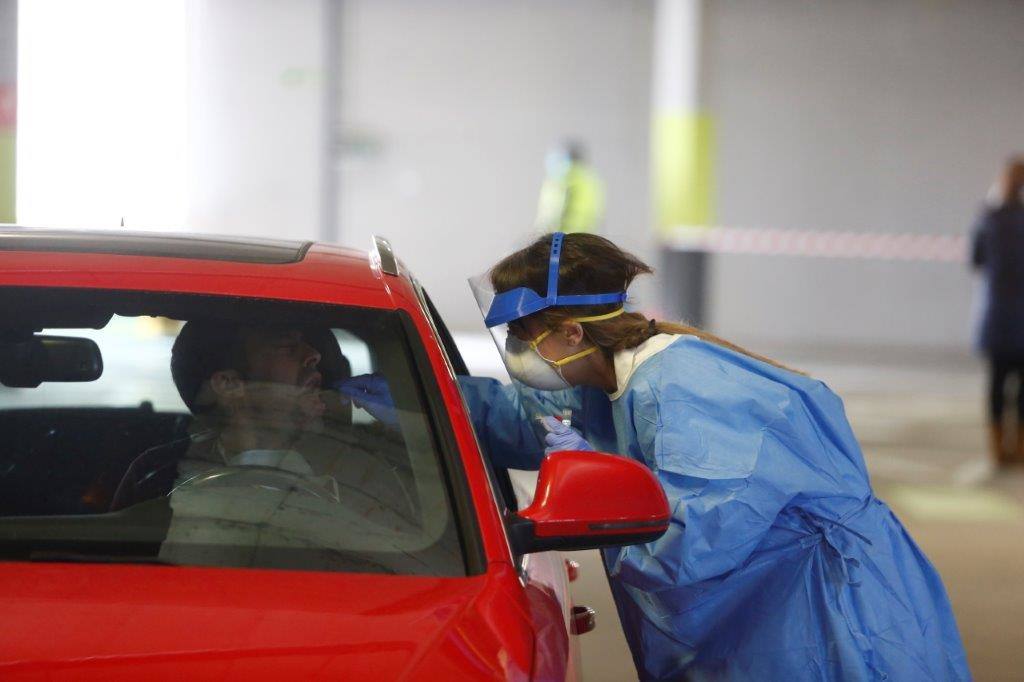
<point x="562" y="437"/>
<point x="371" y="393"/>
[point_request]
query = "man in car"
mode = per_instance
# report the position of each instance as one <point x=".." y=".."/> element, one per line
<point x="254" y="390"/>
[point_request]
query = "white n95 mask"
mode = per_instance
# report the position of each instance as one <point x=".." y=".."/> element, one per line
<point x="525" y="364"/>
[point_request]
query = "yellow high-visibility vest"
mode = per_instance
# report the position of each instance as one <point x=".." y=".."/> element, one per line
<point x="573" y="202"/>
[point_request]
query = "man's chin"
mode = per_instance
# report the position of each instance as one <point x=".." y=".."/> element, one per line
<point x="313" y="425"/>
<point x="312" y="405"/>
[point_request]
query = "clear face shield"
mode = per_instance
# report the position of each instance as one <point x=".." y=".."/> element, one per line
<point x="542" y="388"/>
<point x="544" y="393"/>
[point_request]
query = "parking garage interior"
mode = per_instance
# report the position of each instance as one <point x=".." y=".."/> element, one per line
<point x="805" y="176"/>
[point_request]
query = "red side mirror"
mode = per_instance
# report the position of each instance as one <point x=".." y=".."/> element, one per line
<point x="587" y="500"/>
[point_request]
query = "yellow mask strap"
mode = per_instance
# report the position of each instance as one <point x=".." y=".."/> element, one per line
<point x="593" y="318"/>
<point x="543" y="335"/>
<point x="577" y="356"/>
<point x="598" y="318"/>
<point x="582" y="354"/>
<point x="564" y="361"/>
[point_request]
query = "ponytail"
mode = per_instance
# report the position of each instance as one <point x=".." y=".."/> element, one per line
<point x="632" y="329"/>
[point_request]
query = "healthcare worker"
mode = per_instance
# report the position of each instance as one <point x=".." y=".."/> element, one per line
<point x="779" y="562"/>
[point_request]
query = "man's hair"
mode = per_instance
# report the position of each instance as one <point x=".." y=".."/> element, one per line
<point x="202" y="348"/>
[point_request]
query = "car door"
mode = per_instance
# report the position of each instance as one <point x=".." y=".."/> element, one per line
<point x="543" y="575"/>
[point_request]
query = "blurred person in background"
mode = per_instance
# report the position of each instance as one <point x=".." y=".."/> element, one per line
<point x="572" y="196"/>
<point x="997" y="252"/>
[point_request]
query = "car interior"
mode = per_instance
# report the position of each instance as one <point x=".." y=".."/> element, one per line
<point x="86" y="402"/>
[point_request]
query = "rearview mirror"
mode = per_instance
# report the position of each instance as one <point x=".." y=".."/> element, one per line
<point x="588" y="500"/>
<point x="27" y="361"/>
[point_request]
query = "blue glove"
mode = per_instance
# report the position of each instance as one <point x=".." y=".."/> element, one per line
<point x="562" y="437"/>
<point x="371" y="393"/>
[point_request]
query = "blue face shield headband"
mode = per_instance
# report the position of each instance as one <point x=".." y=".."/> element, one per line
<point x="522" y="301"/>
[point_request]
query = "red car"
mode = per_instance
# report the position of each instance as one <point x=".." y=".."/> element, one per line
<point x="184" y="494"/>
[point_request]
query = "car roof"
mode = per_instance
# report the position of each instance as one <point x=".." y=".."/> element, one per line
<point x="200" y="263"/>
<point x="161" y="245"/>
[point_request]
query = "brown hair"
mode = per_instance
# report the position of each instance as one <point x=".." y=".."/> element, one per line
<point x="202" y="348"/>
<point x="590" y="264"/>
<point x="1012" y="182"/>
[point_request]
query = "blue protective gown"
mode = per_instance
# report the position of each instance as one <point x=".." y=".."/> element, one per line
<point x="779" y="562"/>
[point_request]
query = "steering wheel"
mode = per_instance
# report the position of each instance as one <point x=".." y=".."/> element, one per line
<point x="268" y="478"/>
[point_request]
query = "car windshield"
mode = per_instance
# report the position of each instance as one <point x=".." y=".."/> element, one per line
<point x="218" y="433"/>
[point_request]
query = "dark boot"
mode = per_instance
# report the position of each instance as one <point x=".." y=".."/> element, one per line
<point x="1017" y="456"/>
<point x="997" y="444"/>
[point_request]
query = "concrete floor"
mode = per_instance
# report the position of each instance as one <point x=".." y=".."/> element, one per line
<point x="920" y="421"/>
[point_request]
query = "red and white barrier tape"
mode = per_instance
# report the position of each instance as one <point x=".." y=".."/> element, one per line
<point x="8" y="108"/>
<point x="821" y="244"/>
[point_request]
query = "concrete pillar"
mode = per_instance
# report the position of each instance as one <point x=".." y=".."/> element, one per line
<point x="8" y="107"/>
<point x="256" y="109"/>
<point x="681" y="154"/>
<point x="330" y="120"/>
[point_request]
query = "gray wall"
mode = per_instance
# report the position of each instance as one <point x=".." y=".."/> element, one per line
<point x="255" y="117"/>
<point x="864" y="116"/>
<point x="8" y="84"/>
<point x="448" y="108"/>
<point x="831" y="115"/>
<point x="8" y="42"/>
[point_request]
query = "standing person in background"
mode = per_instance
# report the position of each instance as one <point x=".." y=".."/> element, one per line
<point x="572" y="196"/>
<point x="998" y="253"/>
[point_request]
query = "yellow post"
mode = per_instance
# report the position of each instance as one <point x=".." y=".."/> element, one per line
<point x="683" y="155"/>
<point x="8" y="80"/>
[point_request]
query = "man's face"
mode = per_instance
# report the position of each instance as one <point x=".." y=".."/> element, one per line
<point x="281" y="381"/>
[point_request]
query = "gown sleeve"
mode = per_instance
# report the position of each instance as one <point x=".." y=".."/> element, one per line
<point x="501" y="416"/>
